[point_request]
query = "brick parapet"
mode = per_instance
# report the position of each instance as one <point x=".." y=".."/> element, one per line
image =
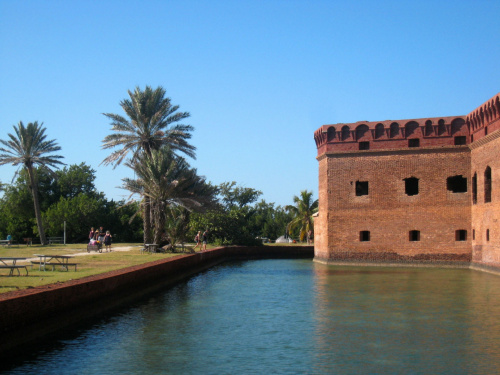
<point x="395" y="134"/>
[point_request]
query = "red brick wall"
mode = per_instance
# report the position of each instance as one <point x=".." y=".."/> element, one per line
<point x="387" y="212"/>
<point x="486" y="216"/>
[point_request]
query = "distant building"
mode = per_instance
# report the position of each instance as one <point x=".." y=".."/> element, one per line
<point x="425" y="190"/>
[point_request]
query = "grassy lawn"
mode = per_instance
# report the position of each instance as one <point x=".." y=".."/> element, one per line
<point x="88" y="264"/>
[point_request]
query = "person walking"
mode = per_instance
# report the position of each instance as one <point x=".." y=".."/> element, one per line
<point x="197" y="239"/>
<point x="205" y="240"/>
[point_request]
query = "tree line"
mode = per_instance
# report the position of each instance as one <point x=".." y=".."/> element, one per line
<point x="169" y="202"/>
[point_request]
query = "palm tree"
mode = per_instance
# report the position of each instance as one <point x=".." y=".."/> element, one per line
<point x="152" y="123"/>
<point x="303" y="212"/>
<point x="167" y="181"/>
<point x="28" y="147"/>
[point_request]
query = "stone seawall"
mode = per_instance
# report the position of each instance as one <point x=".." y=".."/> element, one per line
<point x="31" y="314"/>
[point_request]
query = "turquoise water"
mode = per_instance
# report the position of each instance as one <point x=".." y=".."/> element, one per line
<point x="294" y="317"/>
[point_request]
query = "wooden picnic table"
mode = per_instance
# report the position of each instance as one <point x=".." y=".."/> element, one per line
<point x="53" y="260"/>
<point x="10" y="263"/>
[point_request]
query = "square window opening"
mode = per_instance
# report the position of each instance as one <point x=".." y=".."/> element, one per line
<point x="456" y="184"/>
<point x="414" y="142"/>
<point x="411" y="186"/>
<point x="364" y="236"/>
<point x="361" y="188"/>
<point x="414" y="235"/>
<point x="460" y="140"/>
<point x="461" y="235"/>
<point x="364" y="145"/>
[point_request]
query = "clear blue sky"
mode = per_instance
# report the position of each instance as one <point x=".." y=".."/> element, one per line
<point x="258" y="77"/>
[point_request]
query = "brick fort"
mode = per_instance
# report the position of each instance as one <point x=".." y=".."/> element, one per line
<point x="418" y="191"/>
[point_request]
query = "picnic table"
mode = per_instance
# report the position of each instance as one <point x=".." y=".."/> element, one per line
<point x="54" y="260"/>
<point x="10" y="264"/>
<point x="53" y="240"/>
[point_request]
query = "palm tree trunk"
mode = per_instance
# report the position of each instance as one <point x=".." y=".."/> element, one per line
<point x="38" y="214"/>
<point x="159" y="222"/>
<point x="147" y="219"/>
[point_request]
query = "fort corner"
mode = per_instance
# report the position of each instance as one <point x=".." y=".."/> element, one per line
<point x="417" y="190"/>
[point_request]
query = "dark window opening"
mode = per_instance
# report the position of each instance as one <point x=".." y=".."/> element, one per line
<point x="415" y="142"/>
<point x="331" y="134"/>
<point x="414" y="235"/>
<point x="364" y="145"/>
<point x="461" y="235"/>
<point x="361" y="188"/>
<point x="487" y="185"/>
<point x="411" y="186"/>
<point x="474" y="189"/>
<point x="394" y="130"/>
<point x="487" y="234"/>
<point x="428" y="128"/>
<point x="460" y="140"/>
<point x="457" y="184"/>
<point x="364" y="236"/>
<point x="473" y="234"/>
<point x="472" y="137"/>
<point x="441" y="127"/>
<point x="485" y="130"/>
<point x="345" y="132"/>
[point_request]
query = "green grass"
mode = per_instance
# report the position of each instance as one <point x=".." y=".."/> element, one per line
<point x="88" y="264"/>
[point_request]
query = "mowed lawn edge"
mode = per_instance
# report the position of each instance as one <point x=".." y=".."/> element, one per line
<point x="89" y="264"/>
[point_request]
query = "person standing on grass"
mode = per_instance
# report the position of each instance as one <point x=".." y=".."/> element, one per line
<point x="197" y="239"/>
<point x="107" y="240"/>
<point x="205" y="240"/>
<point x="101" y="235"/>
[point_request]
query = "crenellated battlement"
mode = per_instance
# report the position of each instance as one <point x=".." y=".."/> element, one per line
<point x="484" y="119"/>
<point x="399" y="134"/>
<point x="392" y="134"/>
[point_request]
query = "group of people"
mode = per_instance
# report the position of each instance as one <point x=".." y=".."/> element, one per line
<point x="201" y="240"/>
<point x="99" y="236"/>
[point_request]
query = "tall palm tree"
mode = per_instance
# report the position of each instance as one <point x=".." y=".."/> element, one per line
<point x="166" y="180"/>
<point x="151" y="124"/>
<point x="303" y="212"/>
<point x="28" y="147"/>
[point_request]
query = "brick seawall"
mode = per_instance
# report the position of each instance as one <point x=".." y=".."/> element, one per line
<point x="31" y="314"/>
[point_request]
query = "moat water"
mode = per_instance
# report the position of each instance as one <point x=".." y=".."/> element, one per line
<point x="293" y="317"/>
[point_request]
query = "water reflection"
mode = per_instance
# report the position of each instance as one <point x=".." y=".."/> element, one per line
<point x="294" y="316"/>
<point x="414" y="320"/>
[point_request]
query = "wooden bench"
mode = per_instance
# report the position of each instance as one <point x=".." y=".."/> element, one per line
<point x="9" y="243"/>
<point x="54" y="264"/>
<point x="55" y="240"/>
<point x="16" y="267"/>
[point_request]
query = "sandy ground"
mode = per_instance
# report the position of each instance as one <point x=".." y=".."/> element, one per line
<point x="83" y="253"/>
<point x="113" y="248"/>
